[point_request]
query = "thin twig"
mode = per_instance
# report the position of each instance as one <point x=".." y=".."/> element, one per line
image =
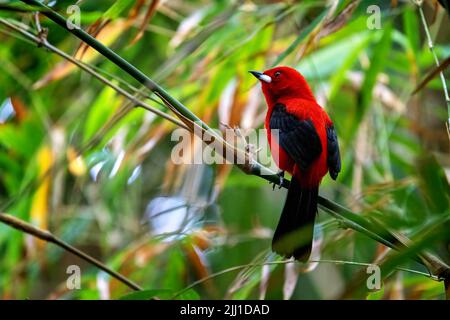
<point x="49" y="237"/>
<point x="436" y="60"/>
<point x="251" y="265"/>
<point x="366" y="264"/>
<point x="44" y="43"/>
<point x="375" y="231"/>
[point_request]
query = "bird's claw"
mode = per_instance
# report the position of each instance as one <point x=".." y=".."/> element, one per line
<point x="280" y="174"/>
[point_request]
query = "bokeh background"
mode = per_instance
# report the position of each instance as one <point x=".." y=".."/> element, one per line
<point x="78" y="159"/>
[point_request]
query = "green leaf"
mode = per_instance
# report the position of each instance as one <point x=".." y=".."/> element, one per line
<point x="301" y="37"/>
<point x="411" y="28"/>
<point x="164" y="294"/>
<point x="376" y="295"/>
<point x="100" y="112"/>
<point x="176" y="267"/>
<point x="190" y="294"/>
<point x="358" y="44"/>
<point x="377" y="62"/>
<point x="15" y="140"/>
<point x="117" y="8"/>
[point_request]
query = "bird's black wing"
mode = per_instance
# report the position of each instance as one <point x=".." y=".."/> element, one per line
<point x="333" y="157"/>
<point x="298" y="138"/>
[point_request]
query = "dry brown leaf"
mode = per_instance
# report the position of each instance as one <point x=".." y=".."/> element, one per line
<point x="201" y="239"/>
<point x="94" y="30"/>
<point x="139" y="255"/>
<point x="148" y="15"/>
<point x="149" y="141"/>
<point x="134" y="12"/>
<point x="106" y="35"/>
<point x="198" y="261"/>
<point x="339" y="21"/>
<point x="445" y="4"/>
<point x="432" y="74"/>
<point x="223" y="171"/>
<point x="19" y="108"/>
<point x="328" y="26"/>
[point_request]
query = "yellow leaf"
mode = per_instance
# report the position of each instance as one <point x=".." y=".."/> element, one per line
<point x="77" y="166"/>
<point x="39" y="206"/>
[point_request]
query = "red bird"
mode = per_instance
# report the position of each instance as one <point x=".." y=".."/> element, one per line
<point x="307" y="147"/>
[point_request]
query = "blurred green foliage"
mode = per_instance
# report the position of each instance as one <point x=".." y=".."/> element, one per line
<point x="166" y="226"/>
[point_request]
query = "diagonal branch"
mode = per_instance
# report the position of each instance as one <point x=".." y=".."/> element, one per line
<point x="250" y="166"/>
<point x="43" y="42"/>
<point x="284" y="262"/>
<point x="419" y="4"/>
<point x="49" y="237"/>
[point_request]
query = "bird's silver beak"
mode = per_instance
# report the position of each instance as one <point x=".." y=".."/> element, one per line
<point x="261" y="76"/>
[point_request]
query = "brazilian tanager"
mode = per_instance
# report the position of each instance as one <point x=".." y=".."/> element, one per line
<point x="307" y="149"/>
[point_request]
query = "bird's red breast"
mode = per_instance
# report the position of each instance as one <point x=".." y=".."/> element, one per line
<point x="304" y="142"/>
<point x="288" y="87"/>
<point x="302" y="110"/>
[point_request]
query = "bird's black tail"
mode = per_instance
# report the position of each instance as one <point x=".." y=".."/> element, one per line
<point x="294" y="233"/>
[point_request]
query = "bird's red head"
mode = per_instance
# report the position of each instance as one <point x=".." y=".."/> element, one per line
<point x="283" y="82"/>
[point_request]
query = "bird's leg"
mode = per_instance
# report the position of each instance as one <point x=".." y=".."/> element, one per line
<point x="280" y="174"/>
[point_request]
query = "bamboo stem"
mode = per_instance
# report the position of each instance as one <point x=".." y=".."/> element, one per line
<point x="436" y="60"/>
<point x="49" y="237"/>
<point x="351" y="220"/>
<point x="43" y="42"/>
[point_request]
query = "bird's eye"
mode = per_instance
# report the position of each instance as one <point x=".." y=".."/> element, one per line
<point x="277" y="74"/>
